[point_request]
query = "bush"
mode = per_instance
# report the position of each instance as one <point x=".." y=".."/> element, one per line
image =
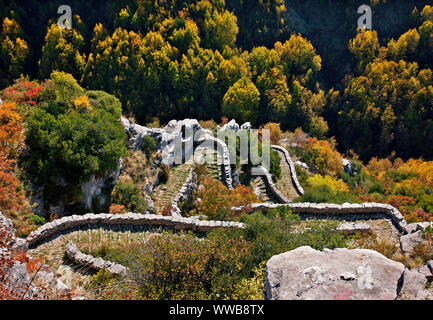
<point x="325" y="189"/>
<point x="37" y="220"/>
<point x="217" y="200"/>
<point x="324" y="194"/>
<point x="276" y="231"/>
<point x="164" y="174"/>
<point x="148" y="146"/>
<point x="128" y="195"/>
<point x="67" y="146"/>
<point x="185" y="267"/>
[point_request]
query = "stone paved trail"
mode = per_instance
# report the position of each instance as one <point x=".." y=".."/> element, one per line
<point x="262" y="190"/>
<point x="212" y="158"/>
<point x="165" y="193"/>
<point x="285" y="183"/>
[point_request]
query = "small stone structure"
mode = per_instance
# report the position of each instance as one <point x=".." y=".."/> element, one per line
<point x="88" y="260"/>
<point x="292" y="168"/>
<point x="262" y="171"/>
<point x="184" y="193"/>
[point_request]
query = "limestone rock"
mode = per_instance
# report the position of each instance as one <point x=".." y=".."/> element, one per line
<point x="246" y="126"/>
<point x="308" y="274"/>
<point x="413" y="285"/>
<point x="409" y="241"/>
<point x="352" y="228"/>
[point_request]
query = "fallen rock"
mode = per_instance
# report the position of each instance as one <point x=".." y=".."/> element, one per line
<point x="409" y="241"/>
<point x="427" y="272"/>
<point x="308" y="274"/>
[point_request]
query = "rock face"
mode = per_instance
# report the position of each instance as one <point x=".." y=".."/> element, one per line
<point x="308" y="274"/>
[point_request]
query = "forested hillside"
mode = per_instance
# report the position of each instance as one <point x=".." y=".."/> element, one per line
<point x="299" y="63"/>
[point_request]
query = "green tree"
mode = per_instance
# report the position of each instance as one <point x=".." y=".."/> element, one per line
<point x="14" y="51"/>
<point x="241" y="101"/>
<point x="365" y="48"/>
<point x="62" y="51"/>
<point x="66" y="146"/>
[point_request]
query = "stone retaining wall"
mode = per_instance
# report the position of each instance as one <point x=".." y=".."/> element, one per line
<point x="268" y="179"/>
<point x="87" y="260"/>
<point x="208" y="140"/>
<point x="320" y="209"/>
<point x="184" y="193"/>
<point x="176" y="223"/>
<point x="292" y="168"/>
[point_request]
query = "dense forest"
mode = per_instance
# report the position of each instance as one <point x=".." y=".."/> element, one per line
<point x="292" y="62"/>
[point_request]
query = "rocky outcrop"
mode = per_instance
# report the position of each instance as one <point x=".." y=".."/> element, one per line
<point x="410" y="241"/>
<point x="414" y="236"/>
<point x="133" y="219"/>
<point x="292" y="168"/>
<point x="91" y="262"/>
<point x="13" y="242"/>
<point x="174" y="130"/>
<point x="94" y="187"/>
<point x="16" y="277"/>
<point x="355" y="210"/>
<point x="308" y="274"/>
<point x="427" y="270"/>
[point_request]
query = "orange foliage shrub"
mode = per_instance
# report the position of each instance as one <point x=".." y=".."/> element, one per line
<point x="379" y="165"/>
<point x="217" y="200"/>
<point x="321" y="155"/>
<point x="11" y="142"/>
<point x="11" y="196"/>
<point x="224" y="120"/>
<point x="275" y="130"/>
<point x="399" y="200"/>
<point x="117" y="209"/>
<point x="11" y="130"/>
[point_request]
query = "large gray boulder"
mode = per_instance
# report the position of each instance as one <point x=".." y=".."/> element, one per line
<point x="410" y="241"/>
<point x="308" y="274"/>
<point x="413" y="286"/>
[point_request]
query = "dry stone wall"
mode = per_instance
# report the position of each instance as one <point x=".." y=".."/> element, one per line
<point x="346" y="210"/>
<point x="184" y="193"/>
<point x="268" y="179"/>
<point x="292" y="168"/>
<point x="133" y="219"/>
<point x="91" y="262"/>
<point x="219" y="145"/>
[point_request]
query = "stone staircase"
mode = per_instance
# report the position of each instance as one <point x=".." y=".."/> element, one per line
<point x="262" y="190"/>
<point x="165" y="194"/>
<point x="212" y="158"/>
<point x="285" y="183"/>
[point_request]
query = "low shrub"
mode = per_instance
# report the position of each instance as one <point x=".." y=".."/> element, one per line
<point x="37" y="220"/>
<point x="164" y="174"/>
<point x="148" y="146"/>
<point x="128" y="195"/>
